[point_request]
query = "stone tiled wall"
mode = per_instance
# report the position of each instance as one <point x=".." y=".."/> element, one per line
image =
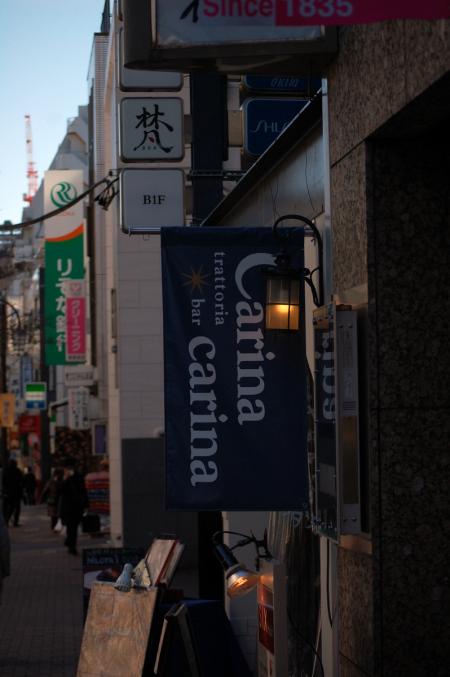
<point x="379" y="69"/>
<point x="409" y="235"/>
<point x="390" y="178"/>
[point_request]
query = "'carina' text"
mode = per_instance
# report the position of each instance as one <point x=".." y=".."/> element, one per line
<point x="202" y="377"/>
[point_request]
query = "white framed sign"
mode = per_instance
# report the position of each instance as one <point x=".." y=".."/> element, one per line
<point x="79" y="375"/>
<point x="186" y="23"/>
<point x="150" y="199"/>
<point x="229" y="36"/>
<point x="151" y="129"/>
<point x="78" y="408"/>
<point x="135" y="80"/>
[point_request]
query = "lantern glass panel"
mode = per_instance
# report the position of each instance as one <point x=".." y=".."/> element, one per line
<point x="283" y="299"/>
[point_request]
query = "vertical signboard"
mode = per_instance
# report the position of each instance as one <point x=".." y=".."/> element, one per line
<point x="325" y="418"/>
<point x="78" y="408"/>
<point x="7" y="410"/>
<point x="75" y="321"/>
<point x="26" y="372"/>
<point x="235" y="393"/>
<point x="64" y="255"/>
<point x="272" y="620"/>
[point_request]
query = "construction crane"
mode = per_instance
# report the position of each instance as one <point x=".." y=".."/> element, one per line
<point x="32" y="174"/>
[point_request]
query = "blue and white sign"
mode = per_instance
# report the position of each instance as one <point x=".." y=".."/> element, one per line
<point x="26" y="372"/>
<point x="36" y="395"/>
<point x="289" y="84"/>
<point x="265" y="119"/>
<point x="235" y="393"/>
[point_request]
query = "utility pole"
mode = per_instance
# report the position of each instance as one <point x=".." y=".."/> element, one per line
<point x="209" y="150"/>
<point x="44" y="374"/>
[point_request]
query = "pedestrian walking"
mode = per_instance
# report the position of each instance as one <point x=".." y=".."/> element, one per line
<point x="51" y="495"/>
<point x="29" y="487"/>
<point x="12" y="493"/>
<point x="73" y="503"/>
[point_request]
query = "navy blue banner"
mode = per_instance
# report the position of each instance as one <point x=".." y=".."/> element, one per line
<point x="235" y="393"/>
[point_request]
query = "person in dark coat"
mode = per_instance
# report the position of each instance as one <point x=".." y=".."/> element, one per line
<point x="29" y="485"/>
<point x="51" y="494"/>
<point x="12" y="492"/>
<point x="73" y="502"/>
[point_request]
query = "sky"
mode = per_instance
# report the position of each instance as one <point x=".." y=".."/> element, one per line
<point x="45" y="48"/>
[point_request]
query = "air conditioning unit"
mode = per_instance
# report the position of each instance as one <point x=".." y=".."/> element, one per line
<point x="337" y="438"/>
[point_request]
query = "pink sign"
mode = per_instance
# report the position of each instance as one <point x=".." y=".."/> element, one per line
<point x="337" y="12"/>
<point x="75" y="321"/>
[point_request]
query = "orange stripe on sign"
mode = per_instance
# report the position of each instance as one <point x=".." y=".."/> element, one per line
<point x="70" y="236"/>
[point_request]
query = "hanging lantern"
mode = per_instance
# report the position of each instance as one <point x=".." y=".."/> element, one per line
<point x="282" y="296"/>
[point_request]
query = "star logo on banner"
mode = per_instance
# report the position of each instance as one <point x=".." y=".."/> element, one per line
<point x="196" y="279"/>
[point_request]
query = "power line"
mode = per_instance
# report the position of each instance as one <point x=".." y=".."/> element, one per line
<point x="107" y="179"/>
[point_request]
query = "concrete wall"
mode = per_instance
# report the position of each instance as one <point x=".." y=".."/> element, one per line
<point x="389" y="112"/>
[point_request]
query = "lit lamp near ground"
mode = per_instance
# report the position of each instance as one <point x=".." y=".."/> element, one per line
<point x="239" y="578"/>
<point x="270" y="581"/>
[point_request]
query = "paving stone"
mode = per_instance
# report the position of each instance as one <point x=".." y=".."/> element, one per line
<point x="41" y="615"/>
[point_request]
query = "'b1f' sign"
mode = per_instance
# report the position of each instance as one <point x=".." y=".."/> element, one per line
<point x="151" y="129"/>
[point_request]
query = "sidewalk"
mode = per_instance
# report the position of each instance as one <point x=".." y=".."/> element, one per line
<point x="41" y="611"/>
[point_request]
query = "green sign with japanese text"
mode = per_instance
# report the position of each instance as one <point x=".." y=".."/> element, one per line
<point x="64" y="256"/>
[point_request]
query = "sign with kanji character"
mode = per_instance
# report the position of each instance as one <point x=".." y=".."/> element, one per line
<point x="151" y="129"/>
<point x="75" y="320"/>
<point x="64" y="256"/>
<point x="151" y="199"/>
<point x="7" y="410"/>
<point x="78" y="408"/>
<point x="29" y="423"/>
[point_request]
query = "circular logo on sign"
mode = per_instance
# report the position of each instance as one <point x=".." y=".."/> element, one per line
<point x="62" y="193"/>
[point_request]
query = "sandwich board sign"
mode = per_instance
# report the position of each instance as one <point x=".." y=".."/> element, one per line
<point x="36" y="395"/>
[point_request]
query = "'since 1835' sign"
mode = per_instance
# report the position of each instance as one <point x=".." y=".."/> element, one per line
<point x="282" y="13"/>
<point x="235" y="401"/>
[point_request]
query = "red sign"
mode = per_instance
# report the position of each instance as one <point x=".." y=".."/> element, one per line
<point x="337" y="12"/>
<point x="29" y="424"/>
<point x="75" y="321"/>
<point x="312" y="12"/>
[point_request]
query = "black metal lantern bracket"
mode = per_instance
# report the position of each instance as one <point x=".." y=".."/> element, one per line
<point x="282" y="259"/>
<point x="262" y="551"/>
